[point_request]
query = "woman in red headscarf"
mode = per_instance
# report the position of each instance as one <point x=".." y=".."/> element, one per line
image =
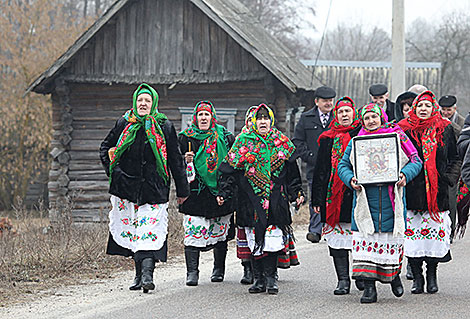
<point x="427" y="237"/>
<point x="330" y="197"/>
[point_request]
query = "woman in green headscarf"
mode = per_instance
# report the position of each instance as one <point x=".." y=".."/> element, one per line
<point x="261" y="167"/>
<point x="206" y="224"/>
<point x="138" y="155"/>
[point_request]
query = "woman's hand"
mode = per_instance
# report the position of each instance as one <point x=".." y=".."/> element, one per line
<point x="316" y="209"/>
<point x="180" y="200"/>
<point x="188" y="157"/>
<point x="299" y="201"/>
<point x="402" y="181"/>
<point x="220" y="200"/>
<point x="354" y="184"/>
<point x="111" y="153"/>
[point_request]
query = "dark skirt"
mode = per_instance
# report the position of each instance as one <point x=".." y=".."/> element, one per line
<point x="158" y="255"/>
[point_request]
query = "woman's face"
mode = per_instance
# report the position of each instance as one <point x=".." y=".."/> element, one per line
<point x="371" y="121"/>
<point x="203" y="120"/>
<point x="424" y="109"/>
<point x="144" y="104"/>
<point x="405" y="109"/>
<point x="263" y="125"/>
<point x="345" y="115"/>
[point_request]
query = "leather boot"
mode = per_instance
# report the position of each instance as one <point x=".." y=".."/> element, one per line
<point x="431" y="277"/>
<point x="409" y="272"/>
<point x="370" y="292"/>
<point x="418" y="279"/>
<point x="260" y="279"/>
<point x="247" y="278"/>
<point x="137" y="285"/>
<point x="191" y="255"/>
<point x="220" y="252"/>
<point x="397" y="287"/>
<point x="148" y="266"/>
<point x="359" y="284"/>
<point x="342" y="272"/>
<point x="270" y="269"/>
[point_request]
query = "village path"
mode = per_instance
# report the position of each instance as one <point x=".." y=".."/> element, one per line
<point x="306" y="291"/>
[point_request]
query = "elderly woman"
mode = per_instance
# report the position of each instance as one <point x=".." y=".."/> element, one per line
<point x="330" y="197"/>
<point x="206" y="224"/>
<point x="428" y="235"/>
<point x="260" y="165"/>
<point x="138" y="155"/>
<point x="379" y="212"/>
<point x="403" y="105"/>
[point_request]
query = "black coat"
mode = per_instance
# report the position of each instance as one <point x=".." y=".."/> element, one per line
<point x="321" y="178"/>
<point x="235" y="185"/>
<point x="390" y="110"/>
<point x="307" y="131"/>
<point x="201" y="202"/>
<point x="447" y="164"/>
<point x="135" y="177"/>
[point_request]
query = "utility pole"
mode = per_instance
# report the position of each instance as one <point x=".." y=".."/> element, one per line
<point x="398" y="48"/>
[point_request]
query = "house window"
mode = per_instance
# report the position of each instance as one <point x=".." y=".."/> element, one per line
<point x="225" y="117"/>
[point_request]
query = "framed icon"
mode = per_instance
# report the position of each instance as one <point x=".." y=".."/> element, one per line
<point x="376" y="158"/>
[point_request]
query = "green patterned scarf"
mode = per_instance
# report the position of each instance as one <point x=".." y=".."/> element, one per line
<point x="152" y="125"/>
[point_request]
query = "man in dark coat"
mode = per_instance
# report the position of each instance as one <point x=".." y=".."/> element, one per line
<point x="310" y="126"/>
<point x="379" y="94"/>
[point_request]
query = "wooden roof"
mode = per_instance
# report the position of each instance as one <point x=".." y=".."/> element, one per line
<point x="234" y="18"/>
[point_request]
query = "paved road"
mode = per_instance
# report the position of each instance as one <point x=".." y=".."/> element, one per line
<point x="306" y="291"/>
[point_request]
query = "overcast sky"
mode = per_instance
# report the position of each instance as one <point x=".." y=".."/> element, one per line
<point x="379" y="12"/>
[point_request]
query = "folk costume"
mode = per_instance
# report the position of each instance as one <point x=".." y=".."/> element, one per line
<point x="379" y="212"/>
<point x="206" y="224"/>
<point x="138" y="155"/>
<point x="427" y="237"/>
<point x="261" y="172"/>
<point x="332" y="196"/>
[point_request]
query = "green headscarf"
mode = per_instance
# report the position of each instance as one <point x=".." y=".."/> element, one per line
<point x="212" y="150"/>
<point x="153" y="131"/>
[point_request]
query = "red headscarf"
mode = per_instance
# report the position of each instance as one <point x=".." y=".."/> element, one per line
<point x="428" y="134"/>
<point x="340" y="136"/>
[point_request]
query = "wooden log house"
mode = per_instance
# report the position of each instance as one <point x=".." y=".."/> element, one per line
<point x="189" y="50"/>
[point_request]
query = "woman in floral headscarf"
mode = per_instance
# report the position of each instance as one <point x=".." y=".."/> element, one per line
<point x="138" y="155"/>
<point x="330" y="197"/>
<point x="428" y="235"/>
<point x="206" y="224"/>
<point x="379" y="210"/>
<point x="261" y="167"/>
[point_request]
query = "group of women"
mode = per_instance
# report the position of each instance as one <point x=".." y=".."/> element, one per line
<point x="249" y="180"/>
<point x="215" y="174"/>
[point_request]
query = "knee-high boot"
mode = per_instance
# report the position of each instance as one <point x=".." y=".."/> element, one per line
<point x="148" y="266"/>
<point x="191" y="255"/>
<point x="370" y="292"/>
<point x="137" y="284"/>
<point x="260" y="279"/>
<point x="342" y="272"/>
<point x="431" y="277"/>
<point x="220" y="252"/>
<point x="247" y="278"/>
<point x="418" y="279"/>
<point x="270" y="269"/>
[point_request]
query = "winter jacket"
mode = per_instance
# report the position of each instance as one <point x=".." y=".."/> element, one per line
<point x="201" y="202"/>
<point x="135" y="177"/>
<point x="378" y="198"/>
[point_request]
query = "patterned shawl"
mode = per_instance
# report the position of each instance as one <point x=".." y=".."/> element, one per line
<point x="261" y="157"/>
<point x="428" y="134"/>
<point x="152" y="125"/>
<point x="213" y="149"/>
<point x="248" y="116"/>
<point x="340" y="136"/>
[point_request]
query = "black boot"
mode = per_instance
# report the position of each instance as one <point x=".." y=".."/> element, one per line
<point x="247" y="278"/>
<point x="342" y="272"/>
<point x="409" y="272"/>
<point x="397" y="287"/>
<point x="191" y="255"/>
<point x="370" y="292"/>
<point x="260" y="279"/>
<point x="359" y="284"/>
<point x="431" y="277"/>
<point x="137" y="285"/>
<point x="220" y="252"/>
<point x="418" y="279"/>
<point x="148" y="265"/>
<point x="270" y="269"/>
